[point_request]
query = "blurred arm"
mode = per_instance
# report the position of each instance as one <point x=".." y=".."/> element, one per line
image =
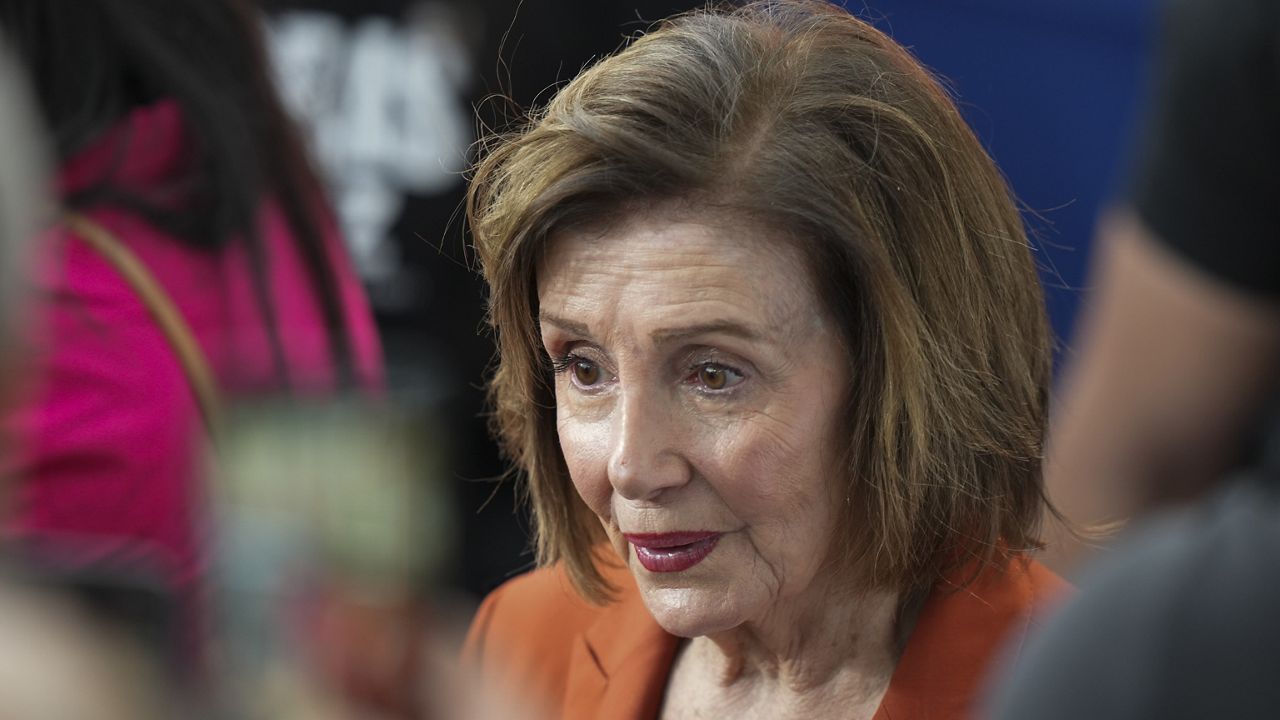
<point x="1172" y="368"/>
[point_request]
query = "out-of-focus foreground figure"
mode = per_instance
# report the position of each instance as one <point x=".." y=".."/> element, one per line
<point x="1172" y="379"/>
<point x="47" y="646"/>
<point x="173" y="155"/>
<point x="22" y="193"/>
<point x="1171" y="397"/>
<point x="185" y="223"/>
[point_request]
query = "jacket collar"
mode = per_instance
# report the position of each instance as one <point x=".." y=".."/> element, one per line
<point x="957" y="641"/>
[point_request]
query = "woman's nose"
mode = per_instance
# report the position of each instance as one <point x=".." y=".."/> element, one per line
<point x="644" y="459"/>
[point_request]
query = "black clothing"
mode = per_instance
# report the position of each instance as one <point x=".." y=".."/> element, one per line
<point x="1208" y="174"/>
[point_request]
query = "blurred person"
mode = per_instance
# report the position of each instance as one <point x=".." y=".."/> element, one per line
<point x="23" y="179"/>
<point x="774" y="365"/>
<point x="47" y="644"/>
<point x="173" y="148"/>
<point x="1169" y="407"/>
<point x="23" y="175"/>
<point x="1175" y="368"/>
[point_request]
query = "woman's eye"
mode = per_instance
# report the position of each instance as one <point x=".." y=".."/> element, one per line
<point x="585" y="372"/>
<point x="717" y="377"/>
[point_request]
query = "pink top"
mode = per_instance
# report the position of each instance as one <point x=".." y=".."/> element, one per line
<point x="108" y="436"/>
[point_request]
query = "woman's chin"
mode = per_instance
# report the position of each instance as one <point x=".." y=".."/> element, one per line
<point x="689" y="612"/>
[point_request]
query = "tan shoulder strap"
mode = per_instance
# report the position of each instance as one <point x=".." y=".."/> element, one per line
<point x="161" y="308"/>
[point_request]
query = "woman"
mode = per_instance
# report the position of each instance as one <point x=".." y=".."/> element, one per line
<point x="170" y="138"/>
<point x="774" y="363"/>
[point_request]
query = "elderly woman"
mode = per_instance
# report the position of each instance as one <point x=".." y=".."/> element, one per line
<point x="774" y="363"/>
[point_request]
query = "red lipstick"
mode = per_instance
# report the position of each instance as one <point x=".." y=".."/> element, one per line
<point x="672" y="552"/>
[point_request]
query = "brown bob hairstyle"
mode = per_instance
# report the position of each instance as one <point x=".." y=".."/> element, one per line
<point x="799" y="116"/>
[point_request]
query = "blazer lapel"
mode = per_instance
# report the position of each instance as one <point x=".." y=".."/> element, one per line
<point x="620" y="665"/>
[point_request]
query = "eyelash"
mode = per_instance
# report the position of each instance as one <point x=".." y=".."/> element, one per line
<point x="564" y="363"/>
<point x="561" y="364"/>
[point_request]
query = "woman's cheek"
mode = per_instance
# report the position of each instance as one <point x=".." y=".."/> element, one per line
<point x="584" y="445"/>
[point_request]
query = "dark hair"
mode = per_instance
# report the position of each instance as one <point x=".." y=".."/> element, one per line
<point x="799" y="116"/>
<point x="92" y="61"/>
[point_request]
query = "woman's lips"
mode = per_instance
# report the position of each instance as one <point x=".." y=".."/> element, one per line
<point x="672" y="552"/>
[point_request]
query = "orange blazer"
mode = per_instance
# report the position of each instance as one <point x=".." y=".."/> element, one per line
<point x="537" y="636"/>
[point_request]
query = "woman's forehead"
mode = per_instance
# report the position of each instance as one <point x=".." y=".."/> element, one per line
<point x="674" y="232"/>
<point x="657" y="269"/>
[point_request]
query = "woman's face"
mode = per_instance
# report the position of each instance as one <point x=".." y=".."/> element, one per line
<point x="697" y="389"/>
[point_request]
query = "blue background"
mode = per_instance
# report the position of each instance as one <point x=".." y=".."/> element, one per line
<point x="1054" y="89"/>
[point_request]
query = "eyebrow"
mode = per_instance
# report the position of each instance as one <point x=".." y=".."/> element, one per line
<point x="716" y="327"/>
<point x="665" y="335"/>
<point x="576" y="328"/>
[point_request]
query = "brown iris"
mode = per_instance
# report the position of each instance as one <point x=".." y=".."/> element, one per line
<point x="586" y="373"/>
<point x="713" y="377"/>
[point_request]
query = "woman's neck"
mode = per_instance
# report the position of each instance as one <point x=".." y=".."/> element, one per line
<point x="806" y="655"/>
